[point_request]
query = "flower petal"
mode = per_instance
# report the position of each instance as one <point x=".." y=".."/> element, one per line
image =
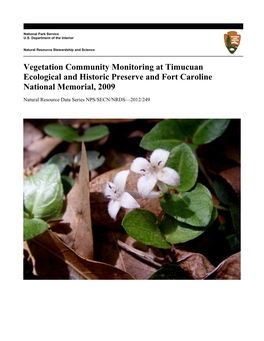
<point x="113" y="208"/>
<point x="169" y="176"/>
<point x="162" y="186"/>
<point x="127" y="201"/>
<point x="145" y="184"/>
<point x="140" y="165"/>
<point x="120" y="179"/>
<point x="109" y="189"/>
<point x="159" y="157"/>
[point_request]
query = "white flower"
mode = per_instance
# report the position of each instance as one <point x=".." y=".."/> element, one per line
<point x="153" y="172"/>
<point x="116" y="192"/>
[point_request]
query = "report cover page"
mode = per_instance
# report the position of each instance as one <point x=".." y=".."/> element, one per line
<point x="162" y="171"/>
<point x="131" y="123"/>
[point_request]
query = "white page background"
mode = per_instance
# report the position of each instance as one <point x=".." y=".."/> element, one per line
<point x="141" y="310"/>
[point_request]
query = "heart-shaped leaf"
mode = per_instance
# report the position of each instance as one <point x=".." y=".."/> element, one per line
<point x="33" y="227"/>
<point x="178" y="232"/>
<point x="223" y="192"/>
<point x="61" y="160"/>
<point x="183" y="160"/>
<point x="70" y="134"/>
<point x="95" y="160"/>
<point x="143" y="226"/>
<point x="43" y="193"/>
<point x="193" y="208"/>
<point x="93" y="133"/>
<point x="203" y="131"/>
<point x="166" y="135"/>
<point x="66" y="133"/>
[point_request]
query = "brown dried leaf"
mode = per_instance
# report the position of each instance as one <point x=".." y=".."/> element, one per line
<point x="30" y="159"/>
<point x="194" y="264"/>
<point x="99" y="203"/>
<point x="214" y="163"/>
<point x="32" y="170"/>
<point x="125" y="253"/>
<point x="52" y="259"/>
<point x="230" y="268"/>
<point x="39" y="150"/>
<point x="115" y="159"/>
<point x="78" y="214"/>
<point x="232" y="176"/>
<point x="31" y="134"/>
<point x="232" y="153"/>
<point x="44" y="146"/>
<point x="94" y="121"/>
<point x="136" y="133"/>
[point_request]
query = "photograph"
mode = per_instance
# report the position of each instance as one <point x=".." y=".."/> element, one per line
<point x="132" y="199"/>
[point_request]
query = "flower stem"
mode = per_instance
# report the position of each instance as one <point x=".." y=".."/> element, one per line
<point x="151" y="195"/>
<point x="201" y="166"/>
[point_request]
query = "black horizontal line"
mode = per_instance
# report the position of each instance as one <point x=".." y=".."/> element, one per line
<point x="132" y="26"/>
<point x="132" y="56"/>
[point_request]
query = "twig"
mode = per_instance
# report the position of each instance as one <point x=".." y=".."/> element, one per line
<point x="139" y="253"/>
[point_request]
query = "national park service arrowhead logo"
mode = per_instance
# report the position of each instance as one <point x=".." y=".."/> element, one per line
<point x="232" y="41"/>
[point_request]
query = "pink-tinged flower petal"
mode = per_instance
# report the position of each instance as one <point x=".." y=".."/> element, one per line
<point x="113" y="208"/>
<point x="140" y="165"/>
<point x="127" y="201"/>
<point x="145" y="184"/>
<point x="159" y="157"/>
<point x="120" y="179"/>
<point x="169" y="176"/>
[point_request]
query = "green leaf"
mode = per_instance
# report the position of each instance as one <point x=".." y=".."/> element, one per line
<point x="224" y="192"/>
<point x="70" y="134"/>
<point x="232" y="238"/>
<point x="66" y="133"/>
<point x="93" y="133"/>
<point x="166" y="135"/>
<point x="233" y="241"/>
<point x="43" y="193"/>
<point x="178" y="232"/>
<point x="194" y="207"/>
<point x="94" y="159"/>
<point x="33" y="227"/>
<point x="25" y="215"/>
<point x="183" y="160"/>
<point x="203" y="131"/>
<point x="61" y="160"/>
<point x="235" y="214"/>
<point x="143" y="226"/>
<point x="67" y="183"/>
<point x="226" y="228"/>
<point x="170" y="271"/>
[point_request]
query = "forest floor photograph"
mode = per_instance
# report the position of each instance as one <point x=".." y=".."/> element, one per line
<point x="142" y="199"/>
